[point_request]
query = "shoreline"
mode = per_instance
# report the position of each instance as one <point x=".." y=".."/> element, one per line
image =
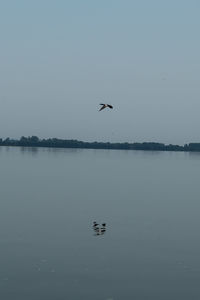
<point x="34" y="141"/>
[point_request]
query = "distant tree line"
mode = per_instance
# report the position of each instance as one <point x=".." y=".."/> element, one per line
<point x="34" y="141"/>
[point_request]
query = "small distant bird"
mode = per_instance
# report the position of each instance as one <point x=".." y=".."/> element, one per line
<point x="95" y="224"/>
<point x="105" y="105"/>
<point x="99" y="230"/>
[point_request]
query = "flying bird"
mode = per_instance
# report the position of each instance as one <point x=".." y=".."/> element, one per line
<point x="105" y="105"/>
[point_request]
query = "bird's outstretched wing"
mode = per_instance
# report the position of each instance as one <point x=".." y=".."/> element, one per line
<point x="110" y="106"/>
<point x="102" y="107"/>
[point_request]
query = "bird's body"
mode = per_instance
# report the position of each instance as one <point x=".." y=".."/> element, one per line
<point x="95" y="224"/>
<point x="105" y="105"/>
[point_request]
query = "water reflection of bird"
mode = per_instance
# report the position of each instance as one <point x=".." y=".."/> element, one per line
<point x="99" y="230"/>
<point x="105" y="105"/>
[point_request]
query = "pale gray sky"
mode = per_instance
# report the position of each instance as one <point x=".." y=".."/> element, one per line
<point x="60" y="59"/>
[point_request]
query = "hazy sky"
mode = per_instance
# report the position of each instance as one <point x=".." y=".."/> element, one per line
<point x="59" y="59"/>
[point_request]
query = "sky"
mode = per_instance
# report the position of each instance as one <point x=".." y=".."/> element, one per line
<point x="59" y="59"/>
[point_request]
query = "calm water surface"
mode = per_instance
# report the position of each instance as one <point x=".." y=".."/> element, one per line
<point x="49" y="249"/>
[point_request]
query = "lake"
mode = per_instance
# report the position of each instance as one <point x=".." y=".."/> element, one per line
<point x="149" y="248"/>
